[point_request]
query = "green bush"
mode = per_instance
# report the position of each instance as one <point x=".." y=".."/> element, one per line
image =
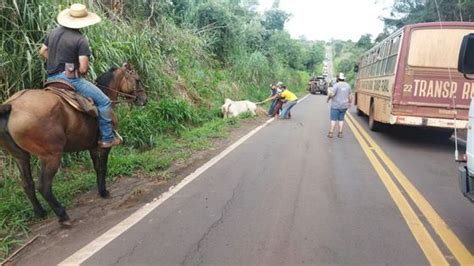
<point x="190" y="55"/>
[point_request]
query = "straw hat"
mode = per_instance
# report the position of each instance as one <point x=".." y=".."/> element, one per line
<point x="341" y="76"/>
<point x="77" y="17"/>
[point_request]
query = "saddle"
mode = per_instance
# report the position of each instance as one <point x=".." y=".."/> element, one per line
<point x="67" y="92"/>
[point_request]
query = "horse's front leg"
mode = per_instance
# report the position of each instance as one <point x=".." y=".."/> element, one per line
<point x="49" y="167"/>
<point x="100" y="158"/>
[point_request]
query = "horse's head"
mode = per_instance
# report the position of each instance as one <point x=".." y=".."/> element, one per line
<point x="130" y="84"/>
<point x="124" y="82"/>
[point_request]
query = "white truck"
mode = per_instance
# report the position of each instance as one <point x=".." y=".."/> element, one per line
<point x="466" y="168"/>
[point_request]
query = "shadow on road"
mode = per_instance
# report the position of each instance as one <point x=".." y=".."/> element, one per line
<point x="415" y="137"/>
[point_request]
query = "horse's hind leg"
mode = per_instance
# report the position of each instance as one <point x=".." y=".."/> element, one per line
<point x="22" y="159"/>
<point x="49" y="167"/>
<point x="29" y="185"/>
<point x="99" y="159"/>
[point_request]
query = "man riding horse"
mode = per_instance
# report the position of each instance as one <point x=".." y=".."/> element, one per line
<point x="44" y="123"/>
<point x="67" y="53"/>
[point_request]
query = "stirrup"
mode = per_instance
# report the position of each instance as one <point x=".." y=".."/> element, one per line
<point x="118" y="135"/>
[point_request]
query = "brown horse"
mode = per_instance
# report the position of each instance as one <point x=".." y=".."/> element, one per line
<point x="40" y="123"/>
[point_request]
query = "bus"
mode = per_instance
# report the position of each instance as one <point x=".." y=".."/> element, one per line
<point x="410" y="78"/>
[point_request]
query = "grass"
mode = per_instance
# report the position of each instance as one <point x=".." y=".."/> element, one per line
<point x="16" y="213"/>
<point x="186" y="84"/>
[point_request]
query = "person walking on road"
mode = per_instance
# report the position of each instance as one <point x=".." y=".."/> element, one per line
<point x="341" y="99"/>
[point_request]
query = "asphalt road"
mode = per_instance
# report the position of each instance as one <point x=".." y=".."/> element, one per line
<point x="289" y="196"/>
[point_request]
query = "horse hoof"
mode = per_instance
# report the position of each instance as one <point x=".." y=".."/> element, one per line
<point x="66" y="224"/>
<point x="104" y="194"/>
<point x="64" y="221"/>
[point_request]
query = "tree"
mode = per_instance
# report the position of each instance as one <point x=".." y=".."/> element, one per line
<point x="365" y="42"/>
<point x="275" y="19"/>
<point x="313" y="56"/>
<point x="382" y="36"/>
<point x="415" y="11"/>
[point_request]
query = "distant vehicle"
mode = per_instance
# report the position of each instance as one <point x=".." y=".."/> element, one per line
<point x="318" y="85"/>
<point x="407" y="80"/>
<point x="466" y="169"/>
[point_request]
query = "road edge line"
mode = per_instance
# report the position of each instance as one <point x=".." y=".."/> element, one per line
<point x="425" y="241"/>
<point x="449" y="238"/>
<point x="100" y="242"/>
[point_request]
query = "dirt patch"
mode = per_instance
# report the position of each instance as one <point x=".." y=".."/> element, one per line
<point x="93" y="215"/>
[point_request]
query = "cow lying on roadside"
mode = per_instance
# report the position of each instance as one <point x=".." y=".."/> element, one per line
<point x="235" y="108"/>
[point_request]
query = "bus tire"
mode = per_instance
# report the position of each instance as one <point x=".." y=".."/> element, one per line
<point x="444" y="133"/>
<point x="373" y="124"/>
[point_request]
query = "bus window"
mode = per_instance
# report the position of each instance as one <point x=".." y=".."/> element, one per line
<point x="379" y="61"/>
<point x="395" y="45"/>
<point x="392" y="59"/>
<point x="385" y="60"/>
<point x="373" y="68"/>
<point x="440" y="52"/>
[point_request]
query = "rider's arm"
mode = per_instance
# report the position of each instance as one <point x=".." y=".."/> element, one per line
<point x="43" y="51"/>
<point x="84" y="53"/>
<point x="83" y="64"/>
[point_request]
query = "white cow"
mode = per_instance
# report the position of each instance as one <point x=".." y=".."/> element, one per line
<point x="235" y="108"/>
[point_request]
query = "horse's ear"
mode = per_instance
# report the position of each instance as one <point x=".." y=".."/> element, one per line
<point x="127" y="66"/>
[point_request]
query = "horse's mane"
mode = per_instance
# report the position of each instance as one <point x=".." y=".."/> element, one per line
<point x="104" y="80"/>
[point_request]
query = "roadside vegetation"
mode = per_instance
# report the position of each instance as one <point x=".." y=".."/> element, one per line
<point x="346" y="55"/>
<point x="190" y="56"/>
<point x="402" y="12"/>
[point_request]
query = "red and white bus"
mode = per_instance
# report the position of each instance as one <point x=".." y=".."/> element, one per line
<point x="411" y="78"/>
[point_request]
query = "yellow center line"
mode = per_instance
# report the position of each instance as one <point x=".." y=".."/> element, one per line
<point x="460" y="252"/>
<point x="425" y="241"/>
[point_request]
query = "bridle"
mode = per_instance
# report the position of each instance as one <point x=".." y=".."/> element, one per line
<point x="130" y="98"/>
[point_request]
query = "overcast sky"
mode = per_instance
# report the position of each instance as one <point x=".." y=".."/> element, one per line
<point x="337" y="19"/>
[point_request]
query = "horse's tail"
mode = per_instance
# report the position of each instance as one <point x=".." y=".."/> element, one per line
<point x="6" y="139"/>
<point x="5" y="108"/>
<point x="4" y="115"/>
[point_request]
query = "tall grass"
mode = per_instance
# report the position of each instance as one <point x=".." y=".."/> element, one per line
<point x="184" y="82"/>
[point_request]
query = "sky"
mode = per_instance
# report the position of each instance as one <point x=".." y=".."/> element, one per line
<point x="332" y="19"/>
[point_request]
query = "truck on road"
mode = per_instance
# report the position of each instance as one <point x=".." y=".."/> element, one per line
<point x="318" y="84"/>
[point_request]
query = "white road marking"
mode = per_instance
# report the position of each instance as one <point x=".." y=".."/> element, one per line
<point x="97" y="244"/>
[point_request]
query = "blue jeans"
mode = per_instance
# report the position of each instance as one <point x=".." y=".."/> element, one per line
<point x="272" y="107"/>
<point x="103" y="103"/>
<point x="286" y="108"/>
<point x="337" y="114"/>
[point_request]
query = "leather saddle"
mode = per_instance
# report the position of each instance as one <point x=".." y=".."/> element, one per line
<point x="67" y="92"/>
<point x="60" y="84"/>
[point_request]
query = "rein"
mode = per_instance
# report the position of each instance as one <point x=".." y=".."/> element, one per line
<point x="131" y="97"/>
<point x="106" y="88"/>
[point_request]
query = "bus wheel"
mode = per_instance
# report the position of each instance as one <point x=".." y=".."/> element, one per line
<point x="444" y="133"/>
<point x="373" y="125"/>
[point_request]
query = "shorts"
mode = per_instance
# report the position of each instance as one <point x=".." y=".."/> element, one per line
<point x="338" y="114"/>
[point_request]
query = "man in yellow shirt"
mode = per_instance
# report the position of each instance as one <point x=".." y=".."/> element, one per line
<point x="289" y="99"/>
